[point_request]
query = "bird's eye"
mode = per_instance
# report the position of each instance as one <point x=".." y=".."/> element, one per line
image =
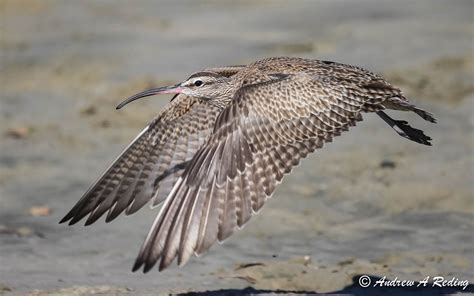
<point x="198" y="82"/>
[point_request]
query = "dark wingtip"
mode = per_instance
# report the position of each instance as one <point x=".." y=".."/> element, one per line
<point x="68" y="217"/>
<point x="64" y="219"/>
<point x="89" y="221"/>
<point x="72" y="222"/>
<point x="162" y="266"/>
<point x="136" y="266"/>
<point x="148" y="266"/>
<point x="142" y="261"/>
<point x="112" y="215"/>
<point x="75" y="219"/>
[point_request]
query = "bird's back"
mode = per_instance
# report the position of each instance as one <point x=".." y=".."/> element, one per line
<point x="271" y="68"/>
<point x="354" y="79"/>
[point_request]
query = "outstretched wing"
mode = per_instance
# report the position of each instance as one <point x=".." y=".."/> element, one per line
<point x="268" y="129"/>
<point x="151" y="164"/>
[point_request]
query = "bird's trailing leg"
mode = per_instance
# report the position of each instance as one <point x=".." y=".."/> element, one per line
<point x="405" y="130"/>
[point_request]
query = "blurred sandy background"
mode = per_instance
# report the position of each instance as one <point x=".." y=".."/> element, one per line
<point x="369" y="203"/>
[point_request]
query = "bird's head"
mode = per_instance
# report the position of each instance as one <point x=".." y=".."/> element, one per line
<point x="205" y="85"/>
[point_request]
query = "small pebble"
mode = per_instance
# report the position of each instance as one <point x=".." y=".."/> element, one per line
<point x="387" y="164"/>
<point x="307" y="260"/>
<point x="4" y="288"/>
<point x="24" y="231"/>
<point x="89" y="111"/>
<point x="104" y="123"/>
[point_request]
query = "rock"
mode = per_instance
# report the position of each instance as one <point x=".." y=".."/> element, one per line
<point x="4" y="288"/>
<point x="246" y="265"/>
<point x="24" y="231"/>
<point x="19" y="132"/>
<point x="89" y="111"/>
<point x="105" y="123"/>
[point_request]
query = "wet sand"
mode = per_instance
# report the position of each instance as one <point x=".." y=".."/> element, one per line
<point x="369" y="203"/>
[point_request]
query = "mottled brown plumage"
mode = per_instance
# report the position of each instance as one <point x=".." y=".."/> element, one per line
<point x="224" y="143"/>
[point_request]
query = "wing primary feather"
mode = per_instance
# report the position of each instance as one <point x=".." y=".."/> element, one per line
<point x="147" y="244"/>
<point x="81" y="209"/>
<point x="172" y="240"/>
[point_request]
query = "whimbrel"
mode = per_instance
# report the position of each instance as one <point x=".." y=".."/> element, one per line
<point x="219" y="149"/>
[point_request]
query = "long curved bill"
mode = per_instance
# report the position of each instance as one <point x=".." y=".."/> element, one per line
<point x="175" y="89"/>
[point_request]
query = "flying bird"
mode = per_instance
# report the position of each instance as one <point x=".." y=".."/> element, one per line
<point x="219" y="149"/>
